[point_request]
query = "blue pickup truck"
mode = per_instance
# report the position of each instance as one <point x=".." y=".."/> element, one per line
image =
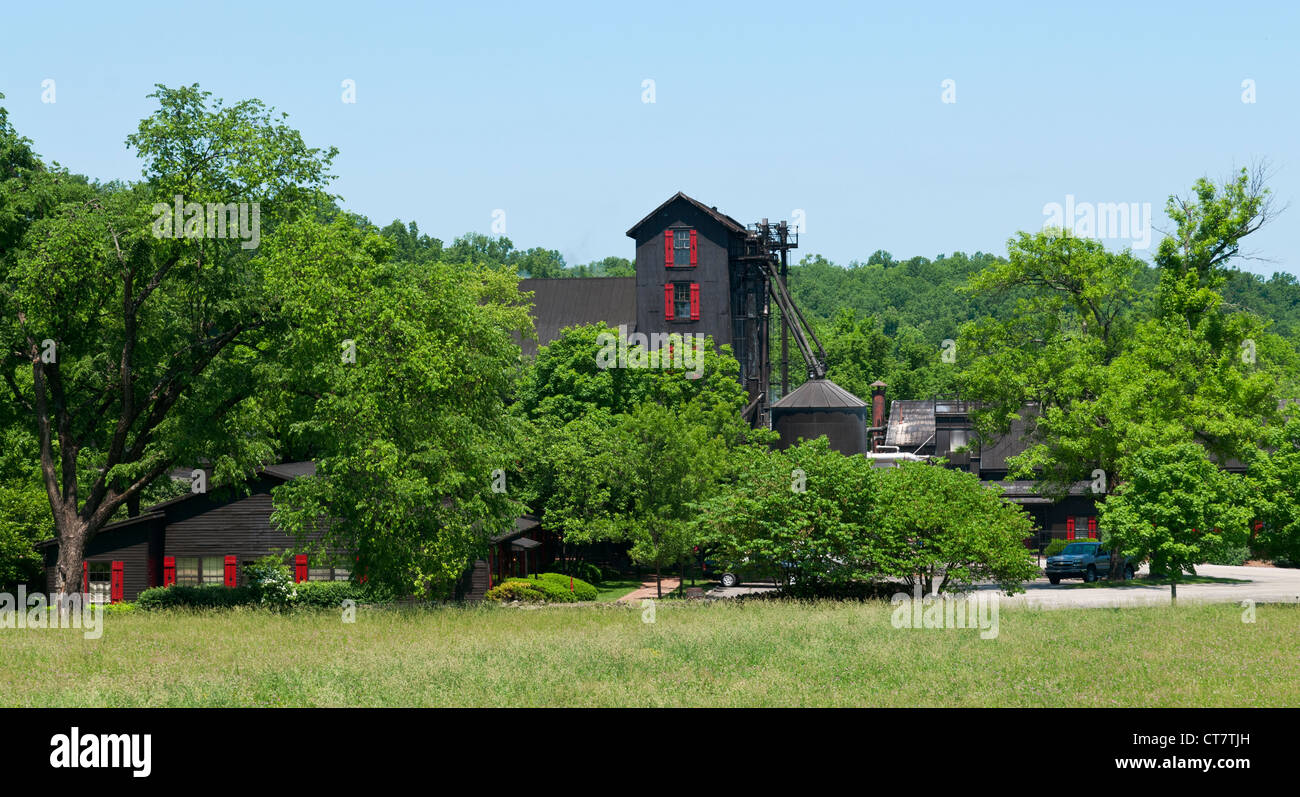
<point x="1086" y="560"/>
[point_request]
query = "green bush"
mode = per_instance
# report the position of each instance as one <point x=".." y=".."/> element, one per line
<point x="270" y="581"/>
<point x="609" y="574"/>
<point x="268" y="591"/>
<point x="583" y="570"/>
<point x="1056" y="546"/>
<point x="582" y="590"/>
<point x="206" y="597"/>
<point x="1231" y="556"/>
<point x="328" y="594"/>
<point x="515" y="590"/>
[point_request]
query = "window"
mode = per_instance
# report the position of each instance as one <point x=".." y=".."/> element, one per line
<point x="682" y="301"/>
<point x="682" y="248"/>
<point x="679" y="248"/>
<point x="187" y="571"/>
<point x="99" y="579"/>
<point x="328" y="574"/>
<point x="213" y="570"/>
<point x="193" y="571"/>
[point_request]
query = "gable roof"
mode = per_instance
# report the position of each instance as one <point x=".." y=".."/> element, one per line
<point x="285" y="471"/>
<point x="722" y="218"/>
<point x="570" y="301"/>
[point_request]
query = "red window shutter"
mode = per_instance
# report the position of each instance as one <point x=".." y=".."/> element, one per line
<point x="1069" y="528"/>
<point x="1092" y="528"/>
<point x="117" y="587"/>
<point x="300" y="568"/>
<point x="169" y="571"/>
<point x="695" y="301"/>
<point x="693" y="254"/>
<point x="85" y="576"/>
<point x="230" y="571"/>
<point x="668" y="301"/>
<point x="668" y="248"/>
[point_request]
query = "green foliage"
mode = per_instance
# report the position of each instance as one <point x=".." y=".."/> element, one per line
<point x="519" y="590"/>
<point x="544" y="588"/>
<point x="584" y="570"/>
<point x="409" y="431"/>
<point x="1273" y="483"/>
<point x="1234" y="557"/>
<point x="1177" y="508"/>
<point x="269" y="581"/>
<point x="1056" y="546"/>
<point x="582" y="590"/>
<point x="827" y="520"/>
<point x="156" y="338"/>
<point x="204" y="597"/>
<point x="941" y="525"/>
<point x="24" y="508"/>
<point x="329" y="594"/>
<point x="264" y="587"/>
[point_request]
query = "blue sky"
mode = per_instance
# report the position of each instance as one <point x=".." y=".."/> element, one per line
<point x="763" y="109"/>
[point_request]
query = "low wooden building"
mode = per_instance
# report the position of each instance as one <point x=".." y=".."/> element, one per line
<point x="208" y="538"/>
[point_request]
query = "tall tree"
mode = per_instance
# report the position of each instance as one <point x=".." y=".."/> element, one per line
<point x="397" y="374"/>
<point x="127" y="351"/>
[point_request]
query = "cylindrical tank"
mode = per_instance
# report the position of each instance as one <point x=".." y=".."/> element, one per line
<point x="821" y="407"/>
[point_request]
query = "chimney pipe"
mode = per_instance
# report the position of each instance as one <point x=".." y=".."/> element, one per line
<point x="878" y="403"/>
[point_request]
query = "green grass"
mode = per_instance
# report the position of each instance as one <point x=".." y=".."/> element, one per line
<point x="613" y="589"/>
<point x="752" y="653"/>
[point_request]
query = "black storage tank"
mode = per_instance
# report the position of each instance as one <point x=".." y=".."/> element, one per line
<point x="821" y="407"/>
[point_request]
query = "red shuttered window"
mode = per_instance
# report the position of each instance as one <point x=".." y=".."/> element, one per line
<point x="117" y="589"/>
<point x="694" y="258"/>
<point x="231" y="569"/>
<point x="169" y="570"/>
<point x="1069" y="528"/>
<point x="695" y="301"/>
<point x="300" y="568"/>
<point x="668" y="248"/>
<point x="668" y="301"/>
<point x="1092" y="528"/>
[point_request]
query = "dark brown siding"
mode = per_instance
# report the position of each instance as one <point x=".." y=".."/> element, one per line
<point x="478" y="581"/>
<point x="129" y="545"/>
<point x="712" y="272"/>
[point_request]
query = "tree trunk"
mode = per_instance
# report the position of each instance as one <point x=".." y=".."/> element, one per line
<point x="71" y="535"/>
<point x="1173" y="592"/>
<point x="659" y="586"/>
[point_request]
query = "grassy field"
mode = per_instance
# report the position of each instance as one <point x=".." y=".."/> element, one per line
<point x="758" y="653"/>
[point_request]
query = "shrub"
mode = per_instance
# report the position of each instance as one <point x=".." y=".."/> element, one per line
<point x="582" y="590"/>
<point x="515" y="590"/>
<point x="1056" y="546"/>
<point x="583" y="570"/>
<point x="328" y="594"/>
<point x="1230" y="556"/>
<point x="207" y="597"/>
<point x="270" y="581"/>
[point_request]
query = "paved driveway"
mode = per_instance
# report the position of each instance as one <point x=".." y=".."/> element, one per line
<point x="1262" y="585"/>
